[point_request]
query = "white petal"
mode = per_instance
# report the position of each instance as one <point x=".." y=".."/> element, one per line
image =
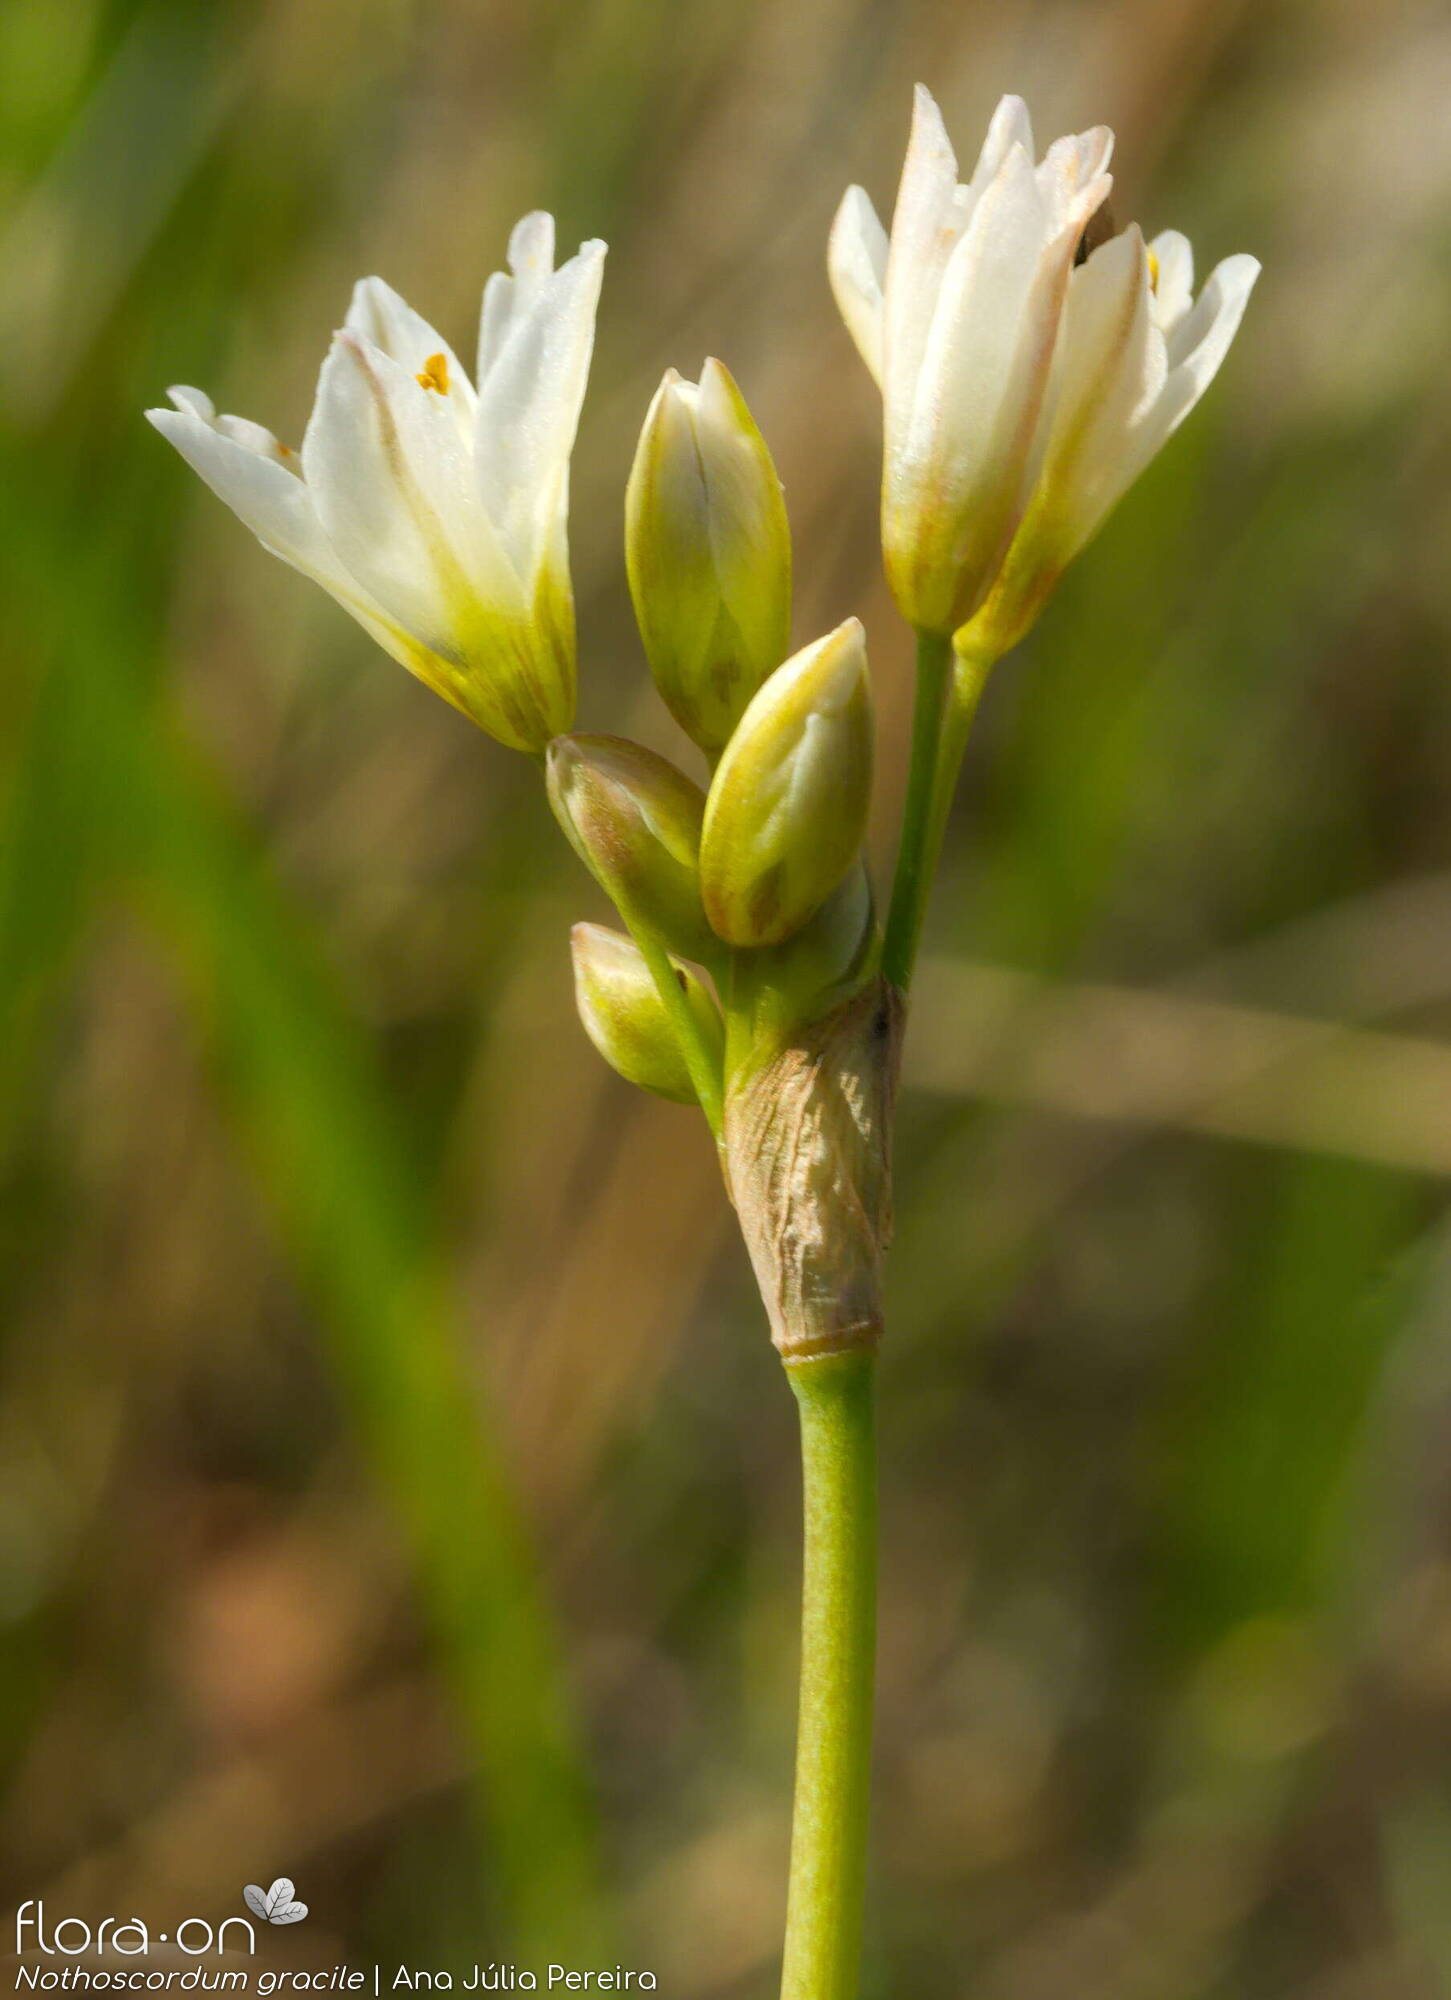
<point x="256" y="437"/>
<point x="1198" y="345"/>
<point x="531" y="249"/>
<point x="386" y="319"/>
<point x="1105" y="324"/>
<point x="1174" y="292"/>
<point x="1071" y="170"/>
<point x="529" y="408"/>
<point x="1125" y="394"/>
<point x="197" y="401"/>
<point x="1009" y="126"/>
<point x="1109" y="382"/>
<point x="270" y="500"/>
<point x="1201" y="339"/>
<point x="976" y="339"/>
<point x="857" y="265"/>
<point x="925" y="227"/>
<point x="393" y="486"/>
<point x="957" y="474"/>
<point x="506" y="298"/>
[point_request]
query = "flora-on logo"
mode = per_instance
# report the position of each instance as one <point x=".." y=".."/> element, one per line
<point x="129" y="1936"/>
<point x="276" y="1904"/>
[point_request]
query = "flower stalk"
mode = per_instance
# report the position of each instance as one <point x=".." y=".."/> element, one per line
<point x="948" y="690"/>
<point x="836" y="1401"/>
<point x="701" y="1056"/>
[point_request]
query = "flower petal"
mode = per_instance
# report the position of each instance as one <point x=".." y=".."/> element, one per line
<point x="856" y="262"/>
<point x="506" y="296"/>
<point x="275" y="504"/>
<point x="256" y="437"/>
<point x="529" y="404"/>
<point x="1196" y="348"/>
<point x="271" y="500"/>
<point x="393" y="485"/>
<point x="925" y="228"/>
<point x="1009" y="126"/>
<point x="1111" y="377"/>
<point x="1201" y="339"/>
<point x="959" y="459"/>
<point x="1174" y="290"/>
<point x="1073" y="178"/>
<point x="384" y="317"/>
<point x="197" y="401"/>
<point x="1121" y="390"/>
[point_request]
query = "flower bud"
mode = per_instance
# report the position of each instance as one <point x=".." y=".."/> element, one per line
<point x="709" y="553"/>
<point x="623" y="1016"/>
<point x="634" y="821"/>
<point x="787" y="810"/>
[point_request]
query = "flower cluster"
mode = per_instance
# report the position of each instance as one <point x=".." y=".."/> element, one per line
<point x="1026" y="380"/>
<point x="1031" y="362"/>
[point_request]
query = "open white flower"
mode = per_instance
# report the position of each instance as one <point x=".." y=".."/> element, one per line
<point x="956" y="316"/>
<point x="435" y="513"/>
<point x="1136" y="352"/>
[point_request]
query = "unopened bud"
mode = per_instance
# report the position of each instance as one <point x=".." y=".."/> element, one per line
<point x="634" y="820"/>
<point x="787" y="810"/>
<point x="624" y="1017"/>
<point x="708" y="550"/>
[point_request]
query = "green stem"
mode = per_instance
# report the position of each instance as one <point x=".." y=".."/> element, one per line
<point x="914" y="866"/>
<point x="946" y="702"/>
<point x="700" y="1058"/>
<point x="836" y="1396"/>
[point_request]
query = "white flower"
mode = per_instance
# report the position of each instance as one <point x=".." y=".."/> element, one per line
<point x="436" y="514"/>
<point x="956" y="316"/>
<point x="1136" y="352"/>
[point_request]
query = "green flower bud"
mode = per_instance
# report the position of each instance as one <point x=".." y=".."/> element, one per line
<point x="634" y="821"/>
<point x="787" y="810"/>
<point x="623" y="1016"/>
<point x="709" y="553"/>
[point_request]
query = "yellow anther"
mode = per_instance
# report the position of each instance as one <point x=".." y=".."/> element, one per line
<point x="434" y="374"/>
<point x="1153" y="277"/>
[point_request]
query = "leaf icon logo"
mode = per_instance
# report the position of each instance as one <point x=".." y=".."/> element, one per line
<point x="274" y="1905"/>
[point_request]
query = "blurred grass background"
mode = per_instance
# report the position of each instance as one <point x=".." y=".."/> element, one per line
<point x="397" y="1489"/>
